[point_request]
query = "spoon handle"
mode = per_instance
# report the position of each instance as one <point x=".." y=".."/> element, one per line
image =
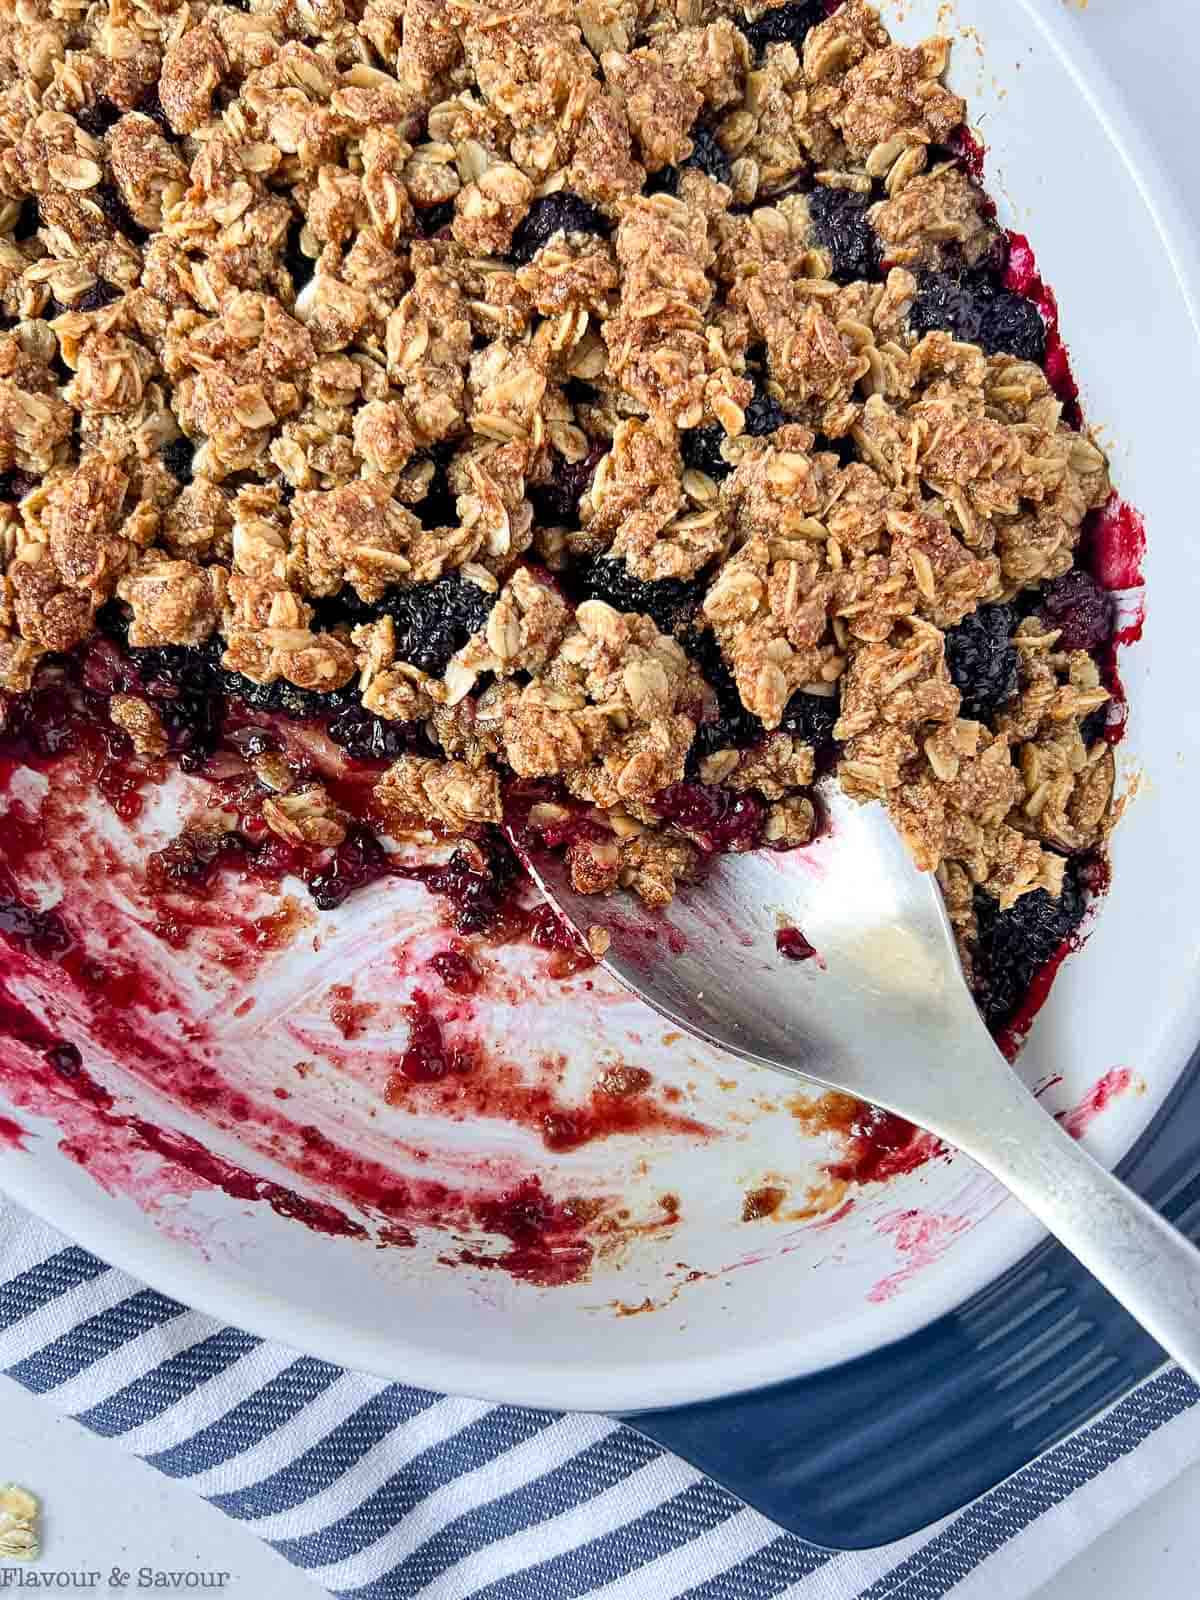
<point x="1148" y="1265"/>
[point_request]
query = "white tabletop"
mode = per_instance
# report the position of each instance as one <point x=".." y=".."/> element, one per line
<point x="104" y="1509"/>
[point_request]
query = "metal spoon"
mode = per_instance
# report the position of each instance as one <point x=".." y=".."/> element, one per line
<point x="883" y="1012"/>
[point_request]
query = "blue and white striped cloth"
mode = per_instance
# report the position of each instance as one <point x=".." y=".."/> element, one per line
<point x="383" y="1492"/>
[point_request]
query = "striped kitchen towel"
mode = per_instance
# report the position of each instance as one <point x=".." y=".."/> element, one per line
<point x="383" y="1492"/>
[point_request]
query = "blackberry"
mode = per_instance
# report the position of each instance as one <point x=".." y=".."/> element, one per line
<point x="185" y="685"/>
<point x="701" y="448"/>
<point x="257" y="696"/>
<point x="360" y="859"/>
<point x="983" y="660"/>
<point x="169" y="669"/>
<point x="177" y="458"/>
<point x="1012" y="945"/>
<point x="433" y="620"/>
<point x="788" y="24"/>
<point x="287" y="699"/>
<point x="117" y="212"/>
<point x="977" y="311"/>
<point x="556" y="504"/>
<point x="733" y="728"/>
<point x="98" y="119"/>
<point x="433" y="219"/>
<point x="150" y="105"/>
<point x="670" y="602"/>
<point x="545" y="217"/>
<point x="707" y="156"/>
<point x="101" y="294"/>
<point x="811" y="717"/>
<point x="1093" y="725"/>
<point x="1080" y="609"/>
<point x="303" y="705"/>
<point x="15" y="484"/>
<point x="366" y="737"/>
<point x="839" y="224"/>
<point x="439" y="508"/>
<point x="476" y="893"/>
<point x="719" y="820"/>
<point x="764" y="413"/>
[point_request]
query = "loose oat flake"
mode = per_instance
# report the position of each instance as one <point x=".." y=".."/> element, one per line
<point x="18" y="1524"/>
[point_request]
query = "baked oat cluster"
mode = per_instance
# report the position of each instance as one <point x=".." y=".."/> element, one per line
<point x="585" y="381"/>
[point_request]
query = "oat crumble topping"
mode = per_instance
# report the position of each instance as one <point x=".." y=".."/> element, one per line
<point x="546" y="373"/>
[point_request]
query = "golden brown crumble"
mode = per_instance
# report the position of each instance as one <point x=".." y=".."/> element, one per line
<point x="305" y="256"/>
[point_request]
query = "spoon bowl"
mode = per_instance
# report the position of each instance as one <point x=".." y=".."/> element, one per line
<point x="881" y="1010"/>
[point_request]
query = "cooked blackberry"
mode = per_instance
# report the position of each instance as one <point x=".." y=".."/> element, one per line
<point x="839" y="224"/>
<point x="788" y="24"/>
<point x="733" y="728"/>
<point x="983" y="660"/>
<point x="305" y="704"/>
<point x="670" y="602"/>
<point x="707" y="156"/>
<point x="433" y="620"/>
<point x="701" y="449"/>
<point x="185" y="685"/>
<point x="169" y="669"/>
<point x="1012" y="945"/>
<point x="117" y="212"/>
<point x="764" y="413"/>
<point x="545" y="217"/>
<point x="150" y="105"/>
<point x="439" y="508"/>
<point x="1080" y="609"/>
<point x="433" y="219"/>
<point x="101" y="294"/>
<point x="977" y="311"/>
<point x="177" y="458"/>
<point x="360" y="859"/>
<point x="98" y="119"/>
<point x="556" y="504"/>
<point x="1093" y="725"/>
<point x="15" y="484"/>
<point x="811" y="717"/>
<point x="287" y="699"/>
<point x="366" y="737"/>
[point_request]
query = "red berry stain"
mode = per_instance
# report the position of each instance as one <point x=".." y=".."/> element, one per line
<point x="880" y="1144"/>
<point x="970" y="152"/>
<point x="1013" y="1035"/>
<point x="456" y="971"/>
<point x="1114" y="547"/>
<point x="12" y="1134"/>
<point x="1099" y="1097"/>
<point x="544" y="1243"/>
<point x="428" y="1057"/>
<point x="1023" y="278"/>
<point x="349" y="1017"/>
<point x="549" y="931"/>
<point x="790" y="942"/>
